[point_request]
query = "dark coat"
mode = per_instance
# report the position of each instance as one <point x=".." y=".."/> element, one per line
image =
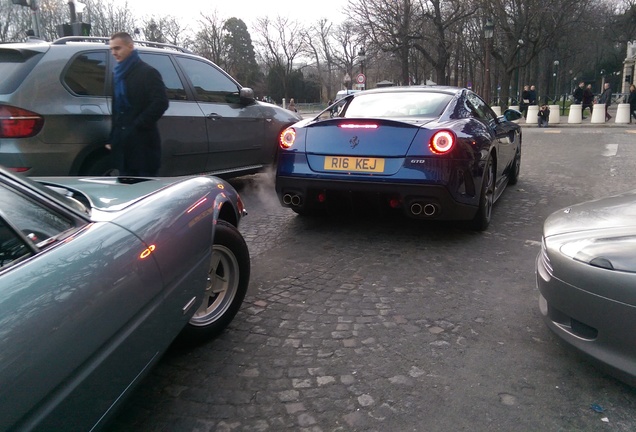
<point x="588" y="97"/>
<point x="578" y="95"/>
<point x="606" y="97"/>
<point x="135" y="140"/>
<point x="632" y="102"/>
<point x="525" y="96"/>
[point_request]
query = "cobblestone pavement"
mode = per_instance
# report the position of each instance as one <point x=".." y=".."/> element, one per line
<point x="368" y="322"/>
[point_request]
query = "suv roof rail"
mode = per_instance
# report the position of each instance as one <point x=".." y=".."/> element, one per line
<point x="106" y="40"/>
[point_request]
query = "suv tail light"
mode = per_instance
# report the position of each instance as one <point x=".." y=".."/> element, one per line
<point x="19" y="123"/>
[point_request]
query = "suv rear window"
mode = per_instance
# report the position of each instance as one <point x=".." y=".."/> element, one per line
<point x="86" y="75"/>
<point x="15" y="65"/>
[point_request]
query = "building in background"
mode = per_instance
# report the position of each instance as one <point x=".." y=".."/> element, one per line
<point x="628" y="67"/>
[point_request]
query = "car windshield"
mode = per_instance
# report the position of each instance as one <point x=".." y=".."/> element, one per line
<point x="57" y="193"/>
<point x="403" y="104"/>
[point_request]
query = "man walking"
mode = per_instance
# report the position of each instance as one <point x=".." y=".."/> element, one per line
<point x="578" y="93"/>
<point x="533" y="95"/>
<point x="606" y="98"/>
<point x="588" y="99"/>
<point x="139" y="101"/>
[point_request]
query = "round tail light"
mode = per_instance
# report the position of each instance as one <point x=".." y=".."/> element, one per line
<point x="287" y="138"/>
<point x="442" y="142"/>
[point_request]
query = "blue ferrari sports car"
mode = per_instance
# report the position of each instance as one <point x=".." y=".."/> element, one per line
<point x="434" y="152"/>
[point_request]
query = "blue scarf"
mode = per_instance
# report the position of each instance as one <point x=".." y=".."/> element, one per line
<point x="120" y="72"/>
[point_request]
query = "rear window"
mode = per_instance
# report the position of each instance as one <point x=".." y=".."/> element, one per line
<point x="86" y="75"/>
<point x="403" y="104"/>
<point x="15" y="65"/>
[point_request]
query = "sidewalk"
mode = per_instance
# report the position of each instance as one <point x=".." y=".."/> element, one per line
<point x="563" y="121"/>
<point x="587" y="122"/>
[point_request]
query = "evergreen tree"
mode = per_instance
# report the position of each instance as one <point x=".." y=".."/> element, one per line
<point x="240" y="59"/>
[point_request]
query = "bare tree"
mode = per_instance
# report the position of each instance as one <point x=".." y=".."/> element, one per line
<point x="388" y="25"/>
<point x="398" y="26"/>
<point x="107" y="17"/>
<point x="348" y="41"/>
<point x="439" y="21"/>
<point x="209" y="40"/>
<point x="281" y="44"/>
<point x="164" y="29"/>
<point x="16" y="22"/>
<point x="537" y="27"/>
<point x="320" y="48"/>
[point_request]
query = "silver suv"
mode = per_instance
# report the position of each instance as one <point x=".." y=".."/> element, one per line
<point x="55" y="111"/>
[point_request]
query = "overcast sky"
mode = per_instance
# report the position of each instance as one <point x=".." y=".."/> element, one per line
<point x="247" y="10"/>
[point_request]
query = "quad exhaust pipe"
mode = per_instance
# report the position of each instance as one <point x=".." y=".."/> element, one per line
<point x="417" y="208"/>
<point x="289" y="199"/>
<point x="423" y="209"/>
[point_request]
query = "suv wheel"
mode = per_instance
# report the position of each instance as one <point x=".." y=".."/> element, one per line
<point x="99" y="165"/>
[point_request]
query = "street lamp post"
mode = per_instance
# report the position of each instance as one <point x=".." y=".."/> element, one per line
<point x="519" y="45"/>
<point x="556" y="81"/>
<point x="489" y="30"/>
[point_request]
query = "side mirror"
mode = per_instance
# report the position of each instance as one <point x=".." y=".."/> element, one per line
<point x="512" y="115"/>
<point x="247" y="95"/>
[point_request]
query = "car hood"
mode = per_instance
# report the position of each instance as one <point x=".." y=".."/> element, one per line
<point x="614" y="212"/>
<point x="110" y="194"/>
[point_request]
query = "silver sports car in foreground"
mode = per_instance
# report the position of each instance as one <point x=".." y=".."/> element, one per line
<point x="586" y="275"/>
<point x="97" y="278"/>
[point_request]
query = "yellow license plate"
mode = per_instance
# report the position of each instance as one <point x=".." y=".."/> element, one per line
<point x="354" y="164"/>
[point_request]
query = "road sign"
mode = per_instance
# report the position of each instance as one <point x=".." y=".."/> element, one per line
<point x="361" y="79"/>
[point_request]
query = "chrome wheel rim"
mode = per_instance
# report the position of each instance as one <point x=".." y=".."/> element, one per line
<point x="221" y="288"/>
<point x="490" y="190"/>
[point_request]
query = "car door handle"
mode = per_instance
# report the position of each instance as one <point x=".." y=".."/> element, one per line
<point x="214" y="116"/>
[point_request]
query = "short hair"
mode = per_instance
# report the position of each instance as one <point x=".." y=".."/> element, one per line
<point x="124" y="36"/>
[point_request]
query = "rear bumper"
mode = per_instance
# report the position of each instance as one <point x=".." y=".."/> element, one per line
<point x="35" y="158"/>
<point x="316" y="192"/>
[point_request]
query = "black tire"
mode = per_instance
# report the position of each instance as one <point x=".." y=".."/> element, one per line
<point x="99" y="165"/>
<point x="486" y="198"/>
<point x="229" y="277"/>
<point x="516" y="168"/>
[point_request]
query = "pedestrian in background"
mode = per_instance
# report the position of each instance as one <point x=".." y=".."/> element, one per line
<point x="292" y="105"/>
<point x="139" y="100"/>
<point x="578" y="93"/>
<point x="631" y="100"/>
<point x="532" y="95"/>
<point x="543" y="116"/>
<point x="588" y="100"/>
<point x="525" y="100"/>
<point x="606" y="99"/>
